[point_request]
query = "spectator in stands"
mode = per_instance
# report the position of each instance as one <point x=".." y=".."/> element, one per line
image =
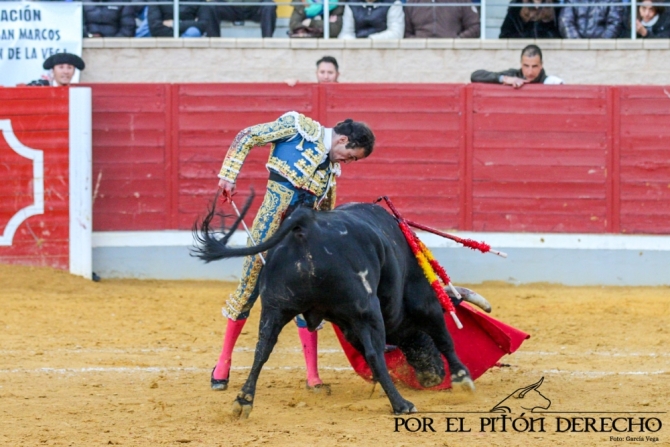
<point x="194" y="21"/>
<point x="141" y="16"/>
<point x="625" y="29"/>
<point x="531" y="21"/>
<point x="441" y="21"/>
<point x="378" y="19"/>
<point x="103" y="20"/>
<point x="579" y="20"/>
<point x="653" y="21"/>
<point x="531" y="72"/>
<point x="307" y="19"/>
<point x="266" y="15"/>
<point x="61" y="68"/>
<point x="327" y="70"/>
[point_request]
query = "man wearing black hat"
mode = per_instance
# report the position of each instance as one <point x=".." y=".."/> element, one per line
<point x="62" y="67"/>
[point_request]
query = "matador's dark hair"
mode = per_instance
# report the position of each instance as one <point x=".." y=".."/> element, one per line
<point x="359" y="134"/>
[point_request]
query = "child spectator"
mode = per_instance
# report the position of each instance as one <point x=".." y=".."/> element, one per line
<point x="579" y="20"/>
<point x="103" y="20"/>
<point x="378" y="19"/>
<point x="530" y="21"/>
<point x="653" y="21"/>
<point x="441" y="21"/>
<point x="307" y="19"/>
<point x="194" y="21"/>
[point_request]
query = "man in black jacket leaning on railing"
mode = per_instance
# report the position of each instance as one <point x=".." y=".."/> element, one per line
<point x="531" y="72"/>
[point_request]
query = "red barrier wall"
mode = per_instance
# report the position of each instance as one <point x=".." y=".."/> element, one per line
<point x="539" y="159"/>
<point x="643" y="148"/>
<point x="39" y="120"/>
<point x="132" y="151"/>
<point x="471" y="157"/>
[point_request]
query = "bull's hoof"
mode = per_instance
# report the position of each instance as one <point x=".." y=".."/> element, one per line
<point x="461" y="381"/>
<point x="242" y="406"/>
<point x="428" y="379"/>
<point x="218" y="384"/>
<point x="406" y="408"/>
<point x="319" y="388"/>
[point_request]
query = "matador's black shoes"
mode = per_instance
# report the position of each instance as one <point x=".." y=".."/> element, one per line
<point x="218" y="384"/>
<point x="319" y="388"/>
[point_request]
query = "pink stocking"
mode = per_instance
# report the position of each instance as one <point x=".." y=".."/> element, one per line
<point x="309" y="341"/>
<point x="233" y="329"/>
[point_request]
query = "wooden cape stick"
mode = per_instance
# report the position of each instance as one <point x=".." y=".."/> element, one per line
<point x="251" y="238"/>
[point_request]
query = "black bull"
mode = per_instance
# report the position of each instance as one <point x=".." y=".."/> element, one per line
<point x="353" y="267"/>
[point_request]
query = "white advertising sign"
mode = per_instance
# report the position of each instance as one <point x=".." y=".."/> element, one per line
<point x="30" y="32"/>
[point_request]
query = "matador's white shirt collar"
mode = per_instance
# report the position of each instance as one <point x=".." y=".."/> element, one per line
<point x="327" y="138"/>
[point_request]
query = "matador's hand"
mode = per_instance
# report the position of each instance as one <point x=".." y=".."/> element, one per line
<point x="227" y="190"/>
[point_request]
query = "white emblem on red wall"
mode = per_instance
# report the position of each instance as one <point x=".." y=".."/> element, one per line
<point x="37" y="207"/>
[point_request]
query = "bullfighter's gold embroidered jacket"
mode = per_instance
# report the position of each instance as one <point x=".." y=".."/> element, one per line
<point x="298" y="154"/>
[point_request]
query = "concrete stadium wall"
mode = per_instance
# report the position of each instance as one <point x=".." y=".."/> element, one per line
<point x="585" y="61"/>
<point x="570" y="259"/>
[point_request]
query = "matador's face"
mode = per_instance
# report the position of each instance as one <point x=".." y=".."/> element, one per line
<point x="343" y="154"/>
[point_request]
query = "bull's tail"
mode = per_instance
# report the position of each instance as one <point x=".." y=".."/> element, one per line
<point x="208" y="247"/>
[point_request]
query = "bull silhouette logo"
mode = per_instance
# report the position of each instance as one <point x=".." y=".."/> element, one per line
<point x="524" y="400"/>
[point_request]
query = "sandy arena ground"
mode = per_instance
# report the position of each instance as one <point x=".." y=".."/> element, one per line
<point x="125" y="362"/>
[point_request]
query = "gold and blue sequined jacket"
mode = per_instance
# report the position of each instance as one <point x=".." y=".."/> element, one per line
<point x="298" y="154"/>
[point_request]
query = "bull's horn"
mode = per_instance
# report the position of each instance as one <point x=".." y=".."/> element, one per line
<point x="473" y="297"/>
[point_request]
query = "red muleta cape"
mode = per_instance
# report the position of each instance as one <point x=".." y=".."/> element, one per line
<point x="480" y="344"/>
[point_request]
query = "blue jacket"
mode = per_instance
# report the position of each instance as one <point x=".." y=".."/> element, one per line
<point x="583" y="21"/>
<point x="298" y="154"/>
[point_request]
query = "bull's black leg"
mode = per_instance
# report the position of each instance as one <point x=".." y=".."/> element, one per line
<point x="370" y="331"/>
<point x="272" y="322"/>
<point x="437" y="329"/>
<point x="423" y="356"/>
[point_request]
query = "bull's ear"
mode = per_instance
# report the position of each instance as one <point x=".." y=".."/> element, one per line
<point x="534" y="386"/>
